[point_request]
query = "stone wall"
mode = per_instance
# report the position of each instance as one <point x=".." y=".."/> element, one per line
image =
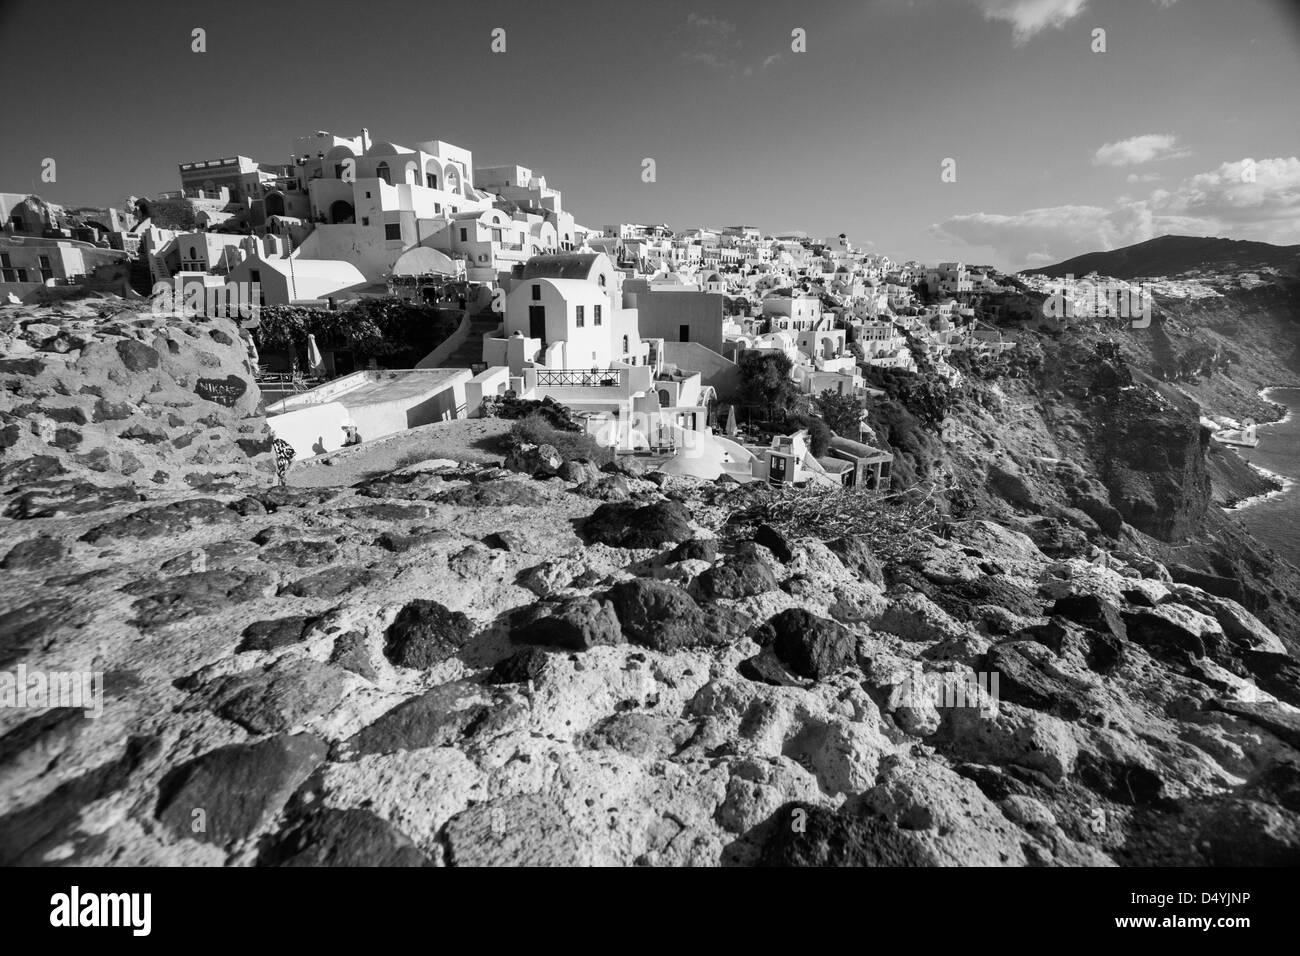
<point x="99" y="393"/>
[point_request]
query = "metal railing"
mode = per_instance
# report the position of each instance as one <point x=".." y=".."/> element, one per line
<point x="580" y="378"/>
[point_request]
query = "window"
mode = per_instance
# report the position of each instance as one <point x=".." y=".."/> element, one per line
<point x="392" y="230"/>
<point x="596" y="314"/>
<point x="537" y="290"/>
<point x="496" y="234"/>
<point x="7" y="268"/>
<point x="437" y="207"/>
<point x="625" y="344"/>
<point x="254" y="275"/>
<point x="193" y="253"/>
<point x="431" y="180"/>
<point x="47" y="271"/>
<point x="581" y="314"/>
<point x="684" y="333"/>
<point x="382" y="172"/>
<point x="464" y="235"/>
<point x="367" y="194"/>
<point x="601" y="280"/>
<point x="365" y="220"/>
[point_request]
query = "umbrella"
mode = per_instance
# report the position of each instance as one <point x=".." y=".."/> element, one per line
<point x="731" y="421"/>
<point x="314" y="359"/>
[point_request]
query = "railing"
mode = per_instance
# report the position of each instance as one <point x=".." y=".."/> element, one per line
<point x="580" y="378"/>
<point x="287" y="380"/>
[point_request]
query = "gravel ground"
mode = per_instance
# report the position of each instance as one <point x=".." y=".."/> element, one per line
<point x="468" y="439"/>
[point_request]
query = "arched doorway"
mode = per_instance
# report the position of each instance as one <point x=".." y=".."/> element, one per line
<point x="274" y="205"/>
<point x="341" y="212"/>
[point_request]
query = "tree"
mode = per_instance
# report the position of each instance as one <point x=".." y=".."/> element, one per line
<point x="842" y="413"/>
<point x="389" y="328"/>
<point x="765" y="380"/>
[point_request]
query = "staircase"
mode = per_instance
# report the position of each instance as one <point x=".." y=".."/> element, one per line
<point x="160" y="270"/>
<point x="471" y="350"/>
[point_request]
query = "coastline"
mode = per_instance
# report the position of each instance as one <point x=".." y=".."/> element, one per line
<point x="1287" y="412"/>
<point x="1283" y="482"/>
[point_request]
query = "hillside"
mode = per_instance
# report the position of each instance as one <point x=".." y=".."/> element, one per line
<point x="1179" y="256"/>
<point x="450" y="663"/>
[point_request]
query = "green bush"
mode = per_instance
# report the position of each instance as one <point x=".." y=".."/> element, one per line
<point x="549" y="410"/>
<point x="395" y="330"/>
<point x="536" y="429"/>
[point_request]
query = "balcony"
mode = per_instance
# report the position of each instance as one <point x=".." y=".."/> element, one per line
<point x="580" y="378"/>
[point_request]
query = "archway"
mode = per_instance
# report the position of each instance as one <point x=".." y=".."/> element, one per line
<point x="341" y="212"/>
<point x="274" y="204"/>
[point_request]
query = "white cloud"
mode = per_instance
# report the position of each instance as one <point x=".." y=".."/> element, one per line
<point x="1028" y="17"/>
<point x="771" y="59"/>
<point x="1142" y="178"/>
<point x="1246" y="199"/>
<point x="1140" y="149"/>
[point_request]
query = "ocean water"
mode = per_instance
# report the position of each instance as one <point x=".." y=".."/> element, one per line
<point x="1275" y="519"/>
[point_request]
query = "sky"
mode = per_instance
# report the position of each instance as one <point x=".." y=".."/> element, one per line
<point x="1187" y="122"/>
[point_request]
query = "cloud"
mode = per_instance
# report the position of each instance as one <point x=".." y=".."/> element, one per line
<point x="1142" y="178"/>
<point x="771" y="59"/>
<point x="1028" y="17"/>
<point x="1140" y="149"/>
<point x="1245" y="199"/>
<point x="711" y="41"/>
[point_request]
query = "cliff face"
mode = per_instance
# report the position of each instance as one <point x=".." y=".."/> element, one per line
<point x="1151" y="455"/>
<point x="127" y="398"/>
<point x="1099" y="444"/>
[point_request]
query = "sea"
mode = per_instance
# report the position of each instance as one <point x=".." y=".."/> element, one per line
<point x="1275" y="518"/>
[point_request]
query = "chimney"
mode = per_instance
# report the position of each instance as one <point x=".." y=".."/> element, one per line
<point x="365" y="140"/>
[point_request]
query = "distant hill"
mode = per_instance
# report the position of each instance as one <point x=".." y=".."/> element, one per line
<point x="1179" y="255"/>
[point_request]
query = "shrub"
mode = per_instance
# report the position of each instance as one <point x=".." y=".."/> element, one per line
<point x="536" y="429"/>
<point x="399" y="332"/>
<point x="549" y="410"/>
<point x="843" y="413"/>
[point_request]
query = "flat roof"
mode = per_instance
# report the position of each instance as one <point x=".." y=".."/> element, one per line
<point x="402" y="383"/>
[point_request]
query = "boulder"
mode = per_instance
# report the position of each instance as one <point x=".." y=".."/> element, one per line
<point x="426" y="633"/>
<point x="574" y="623"/>
<point x="229" y="794"/>
<point x="625" y="525"/>
<point x="810" y="646"/>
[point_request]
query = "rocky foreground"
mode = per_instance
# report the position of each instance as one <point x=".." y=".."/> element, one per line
<point x="459" y="663"/>
<point x="457" y="666"/>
